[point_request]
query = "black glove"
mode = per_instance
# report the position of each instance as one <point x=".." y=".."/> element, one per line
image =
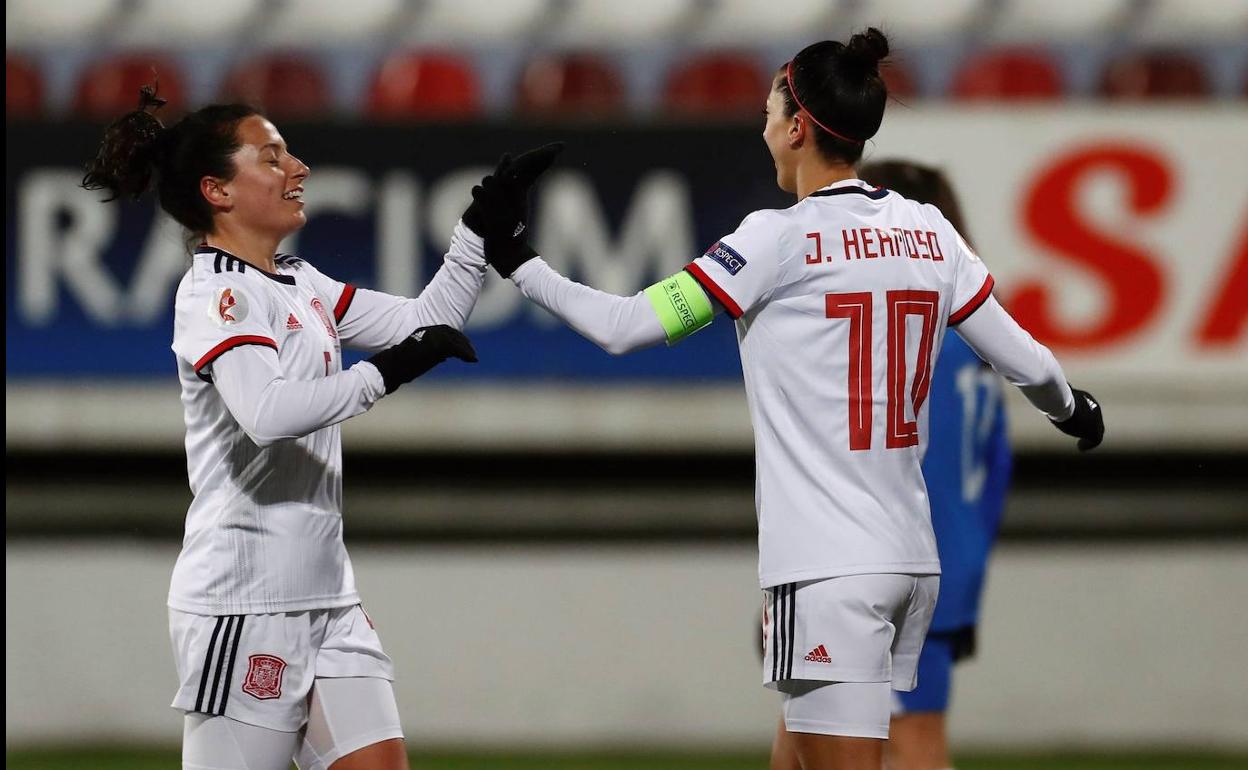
<point x="499" y="212"/>
<point x="426" y="348"/>
<point x="1087" y="423"/>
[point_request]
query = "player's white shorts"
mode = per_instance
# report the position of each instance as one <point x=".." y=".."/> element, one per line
<point x="259" y="669"/>
<point x="855" y="628"/>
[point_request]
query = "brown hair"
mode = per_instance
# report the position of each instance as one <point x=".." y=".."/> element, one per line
<point x="139" y="152"/>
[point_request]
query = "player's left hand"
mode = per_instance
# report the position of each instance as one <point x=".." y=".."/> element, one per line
<point x="499" y="212"/>
<point x="1087" y="423"/>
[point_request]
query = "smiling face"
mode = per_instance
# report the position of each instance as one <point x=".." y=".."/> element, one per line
<point x="266" y="193"/>
<point x="783" y="137"/>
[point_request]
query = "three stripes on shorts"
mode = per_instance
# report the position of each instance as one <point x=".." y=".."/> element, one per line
<point x="782" y="623"/>
<point x="222" y="652"/>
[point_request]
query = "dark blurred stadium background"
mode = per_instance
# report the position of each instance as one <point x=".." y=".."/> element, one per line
<point x="558" y="546"/>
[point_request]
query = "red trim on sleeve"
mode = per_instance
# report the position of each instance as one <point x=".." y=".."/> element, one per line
<point x="344" y="302"/>
<point x="230" y="344"/>
<point x="697" y="272"/>
<point x="973" y="304"/>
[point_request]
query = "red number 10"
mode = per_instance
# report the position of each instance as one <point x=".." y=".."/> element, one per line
<point x="856" y="307"/>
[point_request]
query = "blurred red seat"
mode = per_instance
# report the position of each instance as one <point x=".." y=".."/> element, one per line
<point x="899" y="80"/>
<point x="1155" y="75"/>
<point x="23" y="88"/>
<point x="570" y="85"/>
<point x="424" y="85"/>
<point x="1008" y="75"/>
<point x="280" y="86"/>
<point x="111" y="86"/>
<point x="716" y="85"/>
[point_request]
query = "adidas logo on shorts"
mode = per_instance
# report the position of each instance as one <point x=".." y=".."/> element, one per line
<point x="818" y="655"/>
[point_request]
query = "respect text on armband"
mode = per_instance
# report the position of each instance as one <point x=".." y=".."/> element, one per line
<point x="726" y="256"/>
<point x="680" y="303"/>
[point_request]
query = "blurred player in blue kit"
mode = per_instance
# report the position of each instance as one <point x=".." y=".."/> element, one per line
<point x="967" y="472"/>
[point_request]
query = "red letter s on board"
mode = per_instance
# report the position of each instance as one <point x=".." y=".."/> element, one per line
<point x="1130" y="274"/>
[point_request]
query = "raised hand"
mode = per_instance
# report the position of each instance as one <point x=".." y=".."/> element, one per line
<point x="499" y="212"/>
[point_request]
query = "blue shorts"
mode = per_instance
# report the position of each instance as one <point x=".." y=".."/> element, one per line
<point x="940" y="652"/>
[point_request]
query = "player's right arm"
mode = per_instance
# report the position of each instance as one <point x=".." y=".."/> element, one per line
<point x="269" y="407"/>
<point x="224" y="330"/>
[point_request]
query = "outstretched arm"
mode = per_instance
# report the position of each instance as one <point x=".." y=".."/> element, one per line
<point x="668" y="311"/>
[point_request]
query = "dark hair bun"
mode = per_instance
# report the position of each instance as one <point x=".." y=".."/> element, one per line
<point x="867" y="49"/>
<point x="129" y="155"/>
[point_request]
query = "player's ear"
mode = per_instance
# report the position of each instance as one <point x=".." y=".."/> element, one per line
<point x="797" y="131"/>
<point x="215" y="192"/>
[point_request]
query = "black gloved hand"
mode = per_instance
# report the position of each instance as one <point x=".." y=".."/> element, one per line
<point x="1087" y="423"/>
<point x="480" y="216"/>
<point x="499" y="212"/>
<point x="426" y="348"/>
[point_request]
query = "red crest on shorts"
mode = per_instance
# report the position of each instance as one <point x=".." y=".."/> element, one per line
<point x="264" y="677"/>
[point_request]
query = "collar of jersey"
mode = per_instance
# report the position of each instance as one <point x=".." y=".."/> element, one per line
<point x="850" y="187"/>
<point x="205" y="249"/>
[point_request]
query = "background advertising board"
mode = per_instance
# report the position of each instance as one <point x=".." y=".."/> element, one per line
<point x="1115" y="236"/>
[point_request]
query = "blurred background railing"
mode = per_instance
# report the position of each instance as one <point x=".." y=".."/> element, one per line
<point x="596" y="61"/>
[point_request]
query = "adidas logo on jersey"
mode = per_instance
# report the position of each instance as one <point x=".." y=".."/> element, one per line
<point x="818" y="655"/>
<point x="292" y="323"/>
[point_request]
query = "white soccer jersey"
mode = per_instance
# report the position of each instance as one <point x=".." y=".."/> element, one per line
<point x="841" y="303"/>
<point x="260" y="363"/>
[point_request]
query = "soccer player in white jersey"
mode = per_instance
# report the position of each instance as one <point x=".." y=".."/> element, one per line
<point x="276" y="658"/>
<point x="841" y="302"/>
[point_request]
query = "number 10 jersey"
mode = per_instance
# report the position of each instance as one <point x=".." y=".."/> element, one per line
<point x="841" y="302"/>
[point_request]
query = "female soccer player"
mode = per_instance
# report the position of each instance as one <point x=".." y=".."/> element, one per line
<point x="967" y="470"/>
<point x="841" y="302"/>
<point x="276" y="658"/>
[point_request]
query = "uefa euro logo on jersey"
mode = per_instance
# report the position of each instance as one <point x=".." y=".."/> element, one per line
<point x="726" y="256"/>
<point x="228" y="307"/>
<point x="264" y="677"/>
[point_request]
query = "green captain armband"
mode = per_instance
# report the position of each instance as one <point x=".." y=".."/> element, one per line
<point x="681" y="305"/>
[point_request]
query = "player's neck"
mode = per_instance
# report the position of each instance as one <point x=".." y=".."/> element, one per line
<point x="815" y="174"/>
<point x="257" y="251"/>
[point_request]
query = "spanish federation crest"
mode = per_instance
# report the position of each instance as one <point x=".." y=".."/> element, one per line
<point x="264" y="677"/>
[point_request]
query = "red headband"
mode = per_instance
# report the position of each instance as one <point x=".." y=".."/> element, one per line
<point x="788" y="76"/>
